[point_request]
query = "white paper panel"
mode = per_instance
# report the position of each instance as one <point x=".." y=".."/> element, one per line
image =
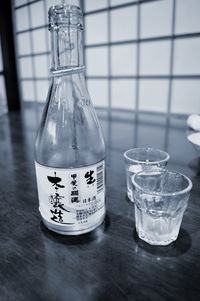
<point x="42" y="87"/>
<point x="123" y="94"/>
<point x="3" y="98"/>
<point x="186" y="57"/>
<point x="91" y="5"/>
<point x="123" y="59"/>
<point x="22" y="19"/>
<point x="39" y="40"/>
<point x="155" y="58"/>
<point x="96" y="28"/>
<point x="124" y="24"/>
<point x="24" y="43"/>
<point x="26" y="70"/>
<point x="28" y="90"/>
<point x="153" y="95"/>
<point x="41" y="66"/>
<point x="20" y="2"/>
<point x="156" y="18"/>
<point x="37" y="14"/>
<point x="186" y="96"/>
<point x="187" y="16"/>
<point x="97" y="61"/>
<point x="98" y="90"/>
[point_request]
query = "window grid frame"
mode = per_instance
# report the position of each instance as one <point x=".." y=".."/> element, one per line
<point x="172" y="37"/>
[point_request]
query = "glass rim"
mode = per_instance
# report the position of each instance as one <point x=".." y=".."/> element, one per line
<point x="147" y="162"/>
<point x="175" y="193"/>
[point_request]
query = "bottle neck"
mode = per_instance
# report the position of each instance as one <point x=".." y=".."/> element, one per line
<point x="67" y="48"/>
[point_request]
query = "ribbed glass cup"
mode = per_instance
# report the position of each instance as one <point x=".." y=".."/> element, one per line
<point x="140" y="159"/>
<point x="160" y="199"/>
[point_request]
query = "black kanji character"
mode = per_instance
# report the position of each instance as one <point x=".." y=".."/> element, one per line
<point x="74" y="192"/>
<point x="89" y="178"/>
<point x="73" y="176"/>
<point x="55" y="180"/>
<point x="55" y="199"/>
<point x="75" y="199"/>
<point x="73" y="182"/>
<point x="57" y="215"/>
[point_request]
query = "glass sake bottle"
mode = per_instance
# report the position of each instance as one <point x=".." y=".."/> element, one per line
<point x="69" y="149"/>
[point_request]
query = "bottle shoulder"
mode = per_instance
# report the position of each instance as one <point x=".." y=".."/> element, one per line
<point x="69" y="134"/>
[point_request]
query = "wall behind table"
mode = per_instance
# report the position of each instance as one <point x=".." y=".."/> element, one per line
<point x="139" y="56"/>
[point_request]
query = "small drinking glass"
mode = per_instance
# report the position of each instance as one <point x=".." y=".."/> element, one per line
<point x="161" y="197"/>
<point x="140" y="159"/>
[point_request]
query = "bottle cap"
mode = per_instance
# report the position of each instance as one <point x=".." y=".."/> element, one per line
<point x="65" y="15"/>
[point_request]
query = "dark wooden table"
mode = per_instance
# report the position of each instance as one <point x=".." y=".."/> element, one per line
<point x="110" y="263"/>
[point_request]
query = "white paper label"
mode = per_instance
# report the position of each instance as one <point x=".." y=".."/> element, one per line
<point x="71" y="196"/>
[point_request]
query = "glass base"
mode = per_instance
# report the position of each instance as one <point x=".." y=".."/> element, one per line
<point x="155" y="229"/>
<point x="65" y="231"/>
<point x="155" y="242"/>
